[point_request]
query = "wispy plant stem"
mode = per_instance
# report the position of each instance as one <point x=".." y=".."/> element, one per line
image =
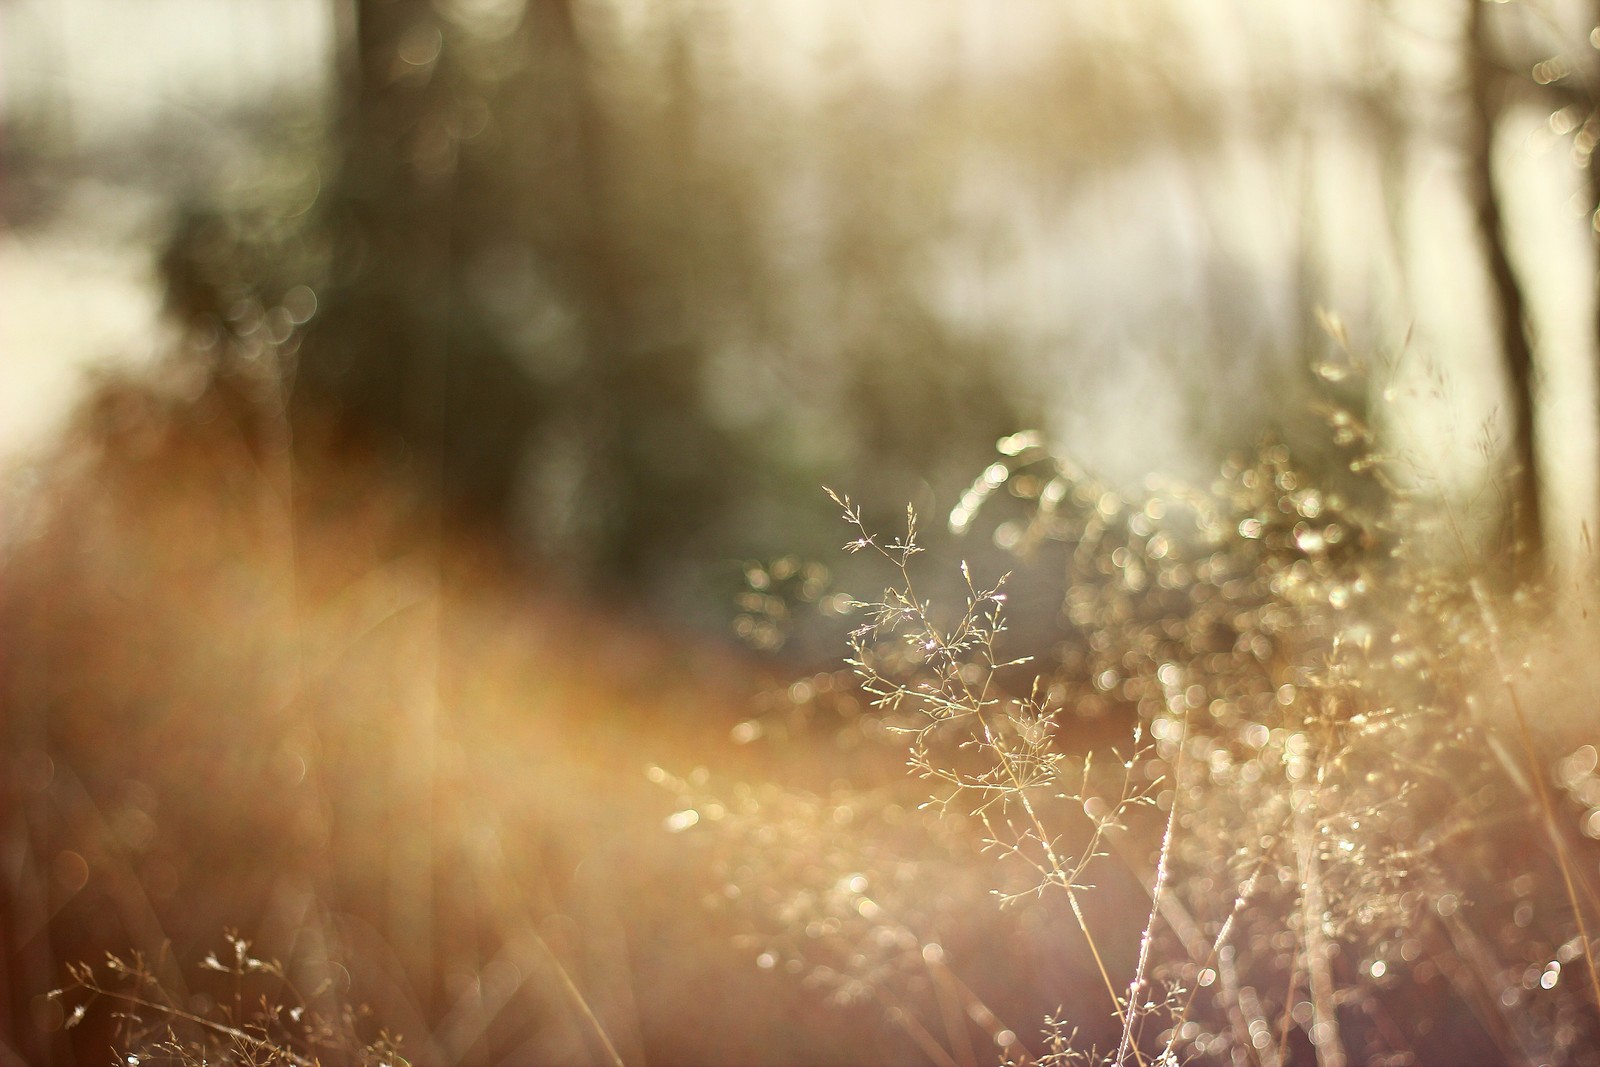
<point x="1162" y="863"/>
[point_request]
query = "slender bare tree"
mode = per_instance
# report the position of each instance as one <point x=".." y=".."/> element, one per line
<point x="1486" y="91"/>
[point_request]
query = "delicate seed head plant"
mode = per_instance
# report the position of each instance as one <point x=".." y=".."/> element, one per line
<point x="1328" y="819"/>
<point x="1311" y="677"/>
<point x="255" y="1017"/>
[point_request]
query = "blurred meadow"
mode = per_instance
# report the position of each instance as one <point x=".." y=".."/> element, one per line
<point x="425" y="635"/>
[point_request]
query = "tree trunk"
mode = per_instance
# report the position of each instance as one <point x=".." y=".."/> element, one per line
<point x="1525" y="528"/>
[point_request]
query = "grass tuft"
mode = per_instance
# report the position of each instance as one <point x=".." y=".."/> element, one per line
<point x="1333" y="838"/>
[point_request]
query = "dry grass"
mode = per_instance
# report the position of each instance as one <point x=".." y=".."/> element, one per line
<point x="262" y="688"/>
<point x="1254" y="781"/>
<point x="1340" y="829"/>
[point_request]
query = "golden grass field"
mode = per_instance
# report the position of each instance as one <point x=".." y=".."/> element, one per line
<point x="317" y="765"/>
<point x="283" y="698"/>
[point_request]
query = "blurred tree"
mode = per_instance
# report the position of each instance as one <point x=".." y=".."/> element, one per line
<point x="553" y="270"/>
<point x="1544" y="58"/>
<point x="391" y="347"/>
<point x="1487" y="89"/>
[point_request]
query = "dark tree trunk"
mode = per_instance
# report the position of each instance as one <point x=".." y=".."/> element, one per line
<point x="1592" y="127"/>
<point x="1486" y="91"/>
